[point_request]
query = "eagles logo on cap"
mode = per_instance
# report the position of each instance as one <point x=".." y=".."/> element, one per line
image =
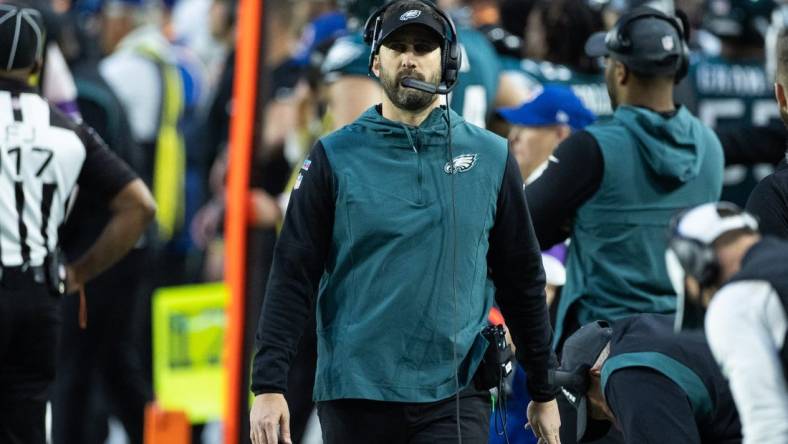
<point x="412" y="14"/>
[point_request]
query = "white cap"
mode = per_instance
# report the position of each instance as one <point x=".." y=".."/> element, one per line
<point x="705" y="224"/>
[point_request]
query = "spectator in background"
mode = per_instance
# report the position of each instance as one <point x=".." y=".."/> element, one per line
<point x="769" y="200"/>
<point x="132" y="38"/>
<point x="56" y="81"/>
<point x="732" y="94"/>
<point x="206" y="225"/>
<point x="614" y="9"/>
<point x="154" y="102"/>
<point x="540" y="124"/>
<point x="554" y="36"/>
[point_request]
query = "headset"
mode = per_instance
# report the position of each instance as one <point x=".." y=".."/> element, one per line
<point x="698" y="258"/>
<point x="451" y="56"/>
<point x="617" y="39"/>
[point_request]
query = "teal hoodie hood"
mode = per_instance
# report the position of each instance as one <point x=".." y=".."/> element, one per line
<point x="401" y="135"/>
<point x="672" y="146"/>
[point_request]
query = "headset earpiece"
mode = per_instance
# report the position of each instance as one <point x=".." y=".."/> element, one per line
<point x="452" y="61"/>
<point x="698" y="260"/>
<point x="684" y="26"/>
<point x="372" y="32"/>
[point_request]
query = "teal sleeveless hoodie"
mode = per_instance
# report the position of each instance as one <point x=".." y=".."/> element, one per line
<point x="388" y="327"/>
<point x="654" y="166"/>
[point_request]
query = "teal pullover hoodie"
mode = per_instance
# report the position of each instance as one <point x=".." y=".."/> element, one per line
<point x="654" y="166"/>
<point x="409" y="249"/>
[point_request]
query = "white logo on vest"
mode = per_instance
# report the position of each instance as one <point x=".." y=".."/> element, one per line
<point x="460" y="164"/>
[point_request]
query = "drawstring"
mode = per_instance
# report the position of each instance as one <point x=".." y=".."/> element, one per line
<point x="410" y="137"/>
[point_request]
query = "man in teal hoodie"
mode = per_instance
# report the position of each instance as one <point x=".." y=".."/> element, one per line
<point x="614" y="187"/>
<point x="407" y="223"/>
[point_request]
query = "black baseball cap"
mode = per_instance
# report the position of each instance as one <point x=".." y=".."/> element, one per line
<point x="578" y="356"/>
<point x="22" y="35"/>
<point x="408" y="12"/>
<point x="653" y="45"/>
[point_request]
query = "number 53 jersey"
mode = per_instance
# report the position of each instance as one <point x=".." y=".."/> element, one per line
<point x="44" y="157"/>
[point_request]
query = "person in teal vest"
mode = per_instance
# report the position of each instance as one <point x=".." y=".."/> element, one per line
<point x="616" y="185"/>
<point x="405" y="225"/>
<point x="654" y="386"/>
<point x="554" y="37"/>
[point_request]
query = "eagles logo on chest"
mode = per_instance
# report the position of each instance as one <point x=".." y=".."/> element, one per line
<point x="460" y="164"/>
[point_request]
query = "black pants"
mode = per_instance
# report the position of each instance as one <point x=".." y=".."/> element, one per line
<point x="100" y="369"/>
<point x="29" y="323"/>
<point x="360" y="421"/>
<point x="300" y="381"/>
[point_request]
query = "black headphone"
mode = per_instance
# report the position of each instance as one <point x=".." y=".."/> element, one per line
<point x="617" y="39"/>
<point x="451" y="56"/>
<point x="697" y="258"/>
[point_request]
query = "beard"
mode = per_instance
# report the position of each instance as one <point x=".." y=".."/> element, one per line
<point x="407" y="98"/>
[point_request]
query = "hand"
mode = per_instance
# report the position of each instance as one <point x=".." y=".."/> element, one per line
<point x="544" y="420"/>
<point x="73" y="283"/>
<point x="509" y="339"/>
<point x="205" y="224"/>
<point x="264" y="211"/>
<point x="269" y="419"/>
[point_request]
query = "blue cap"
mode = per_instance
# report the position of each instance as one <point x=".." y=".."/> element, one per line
<point x="554" y="105"/>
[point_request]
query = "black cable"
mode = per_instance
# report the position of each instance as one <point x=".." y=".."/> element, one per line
<point x="502" y="407"/>
<point x="454" y="273"/>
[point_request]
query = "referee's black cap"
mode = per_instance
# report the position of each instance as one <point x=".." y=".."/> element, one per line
<point x="22" y="35"/>
<point x="578" y="356"/>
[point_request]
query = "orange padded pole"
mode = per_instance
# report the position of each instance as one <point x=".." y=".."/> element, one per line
<point x="250" y="21"/>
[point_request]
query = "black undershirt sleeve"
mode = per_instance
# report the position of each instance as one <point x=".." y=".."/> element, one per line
<point x="564" y="186"/>
<point x="749" y="145"/>
<point x="650" y="408"/>
<point x="299" y="261"/>
<point x="103" y="173"/>
<point x="769" y="203"/>
<point x="515" y="266"/>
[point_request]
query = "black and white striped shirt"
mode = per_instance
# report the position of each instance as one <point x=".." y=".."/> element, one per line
<point x="44" y="158"/>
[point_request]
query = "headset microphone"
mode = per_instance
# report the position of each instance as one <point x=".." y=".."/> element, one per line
<point x="424" y="86"/>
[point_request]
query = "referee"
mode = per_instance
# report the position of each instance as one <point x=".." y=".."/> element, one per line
<point x="44" y="159"/>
